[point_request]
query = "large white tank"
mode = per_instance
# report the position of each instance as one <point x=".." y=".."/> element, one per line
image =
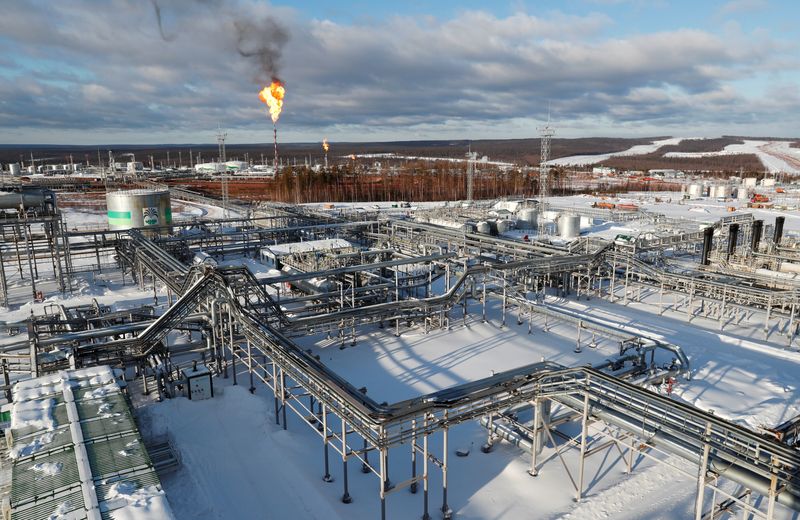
<point x="527" y="218"/>
<point x="504" y="225"/>
<point x="569" y="225"/>
<point x="138" y="208"/>
<point x="742" y="193"/>
<point x="483" y="227"/>
<point x="14" y="169"/>
<point x="749" y="182"/>
<point x="695" y="191"/>
<point x="724" y="191"/>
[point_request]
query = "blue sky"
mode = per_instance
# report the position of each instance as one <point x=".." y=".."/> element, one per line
<point x="101" y="71"/>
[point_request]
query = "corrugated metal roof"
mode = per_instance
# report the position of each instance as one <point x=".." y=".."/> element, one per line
<point x="50" y="455"/>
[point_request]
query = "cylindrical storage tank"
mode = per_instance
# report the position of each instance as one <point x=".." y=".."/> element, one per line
<point x="724" y="191"/>
<point x="483" y="228"/>
<point x="138" y="208"/>
<point x="14" y="169"/>
<point x="695" y="191"/>
<point x="503" y="225"/>
<point x="528" y="218"/>
<point x="569" y="225"/>
<point x="28" y="198"/>
<point x="742" y="193"/>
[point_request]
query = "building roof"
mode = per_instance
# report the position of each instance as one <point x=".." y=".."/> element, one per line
<point x="76" y="452"/>
<point x="327" y="244"/>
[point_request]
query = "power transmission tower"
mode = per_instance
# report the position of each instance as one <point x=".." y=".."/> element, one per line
<point x="471" y="158"/>
<point x="546" y="132"/>
<point x="223" y="170"/>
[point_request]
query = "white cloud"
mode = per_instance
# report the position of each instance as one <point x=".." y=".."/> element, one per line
<point x="403" y="75"/>
<point x="738" y="6"/>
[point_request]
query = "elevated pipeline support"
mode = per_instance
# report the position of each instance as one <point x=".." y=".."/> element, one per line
<point x="688" y="448"/>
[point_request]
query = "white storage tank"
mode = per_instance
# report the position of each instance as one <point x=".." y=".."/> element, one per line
<point x="749" y="182"/>
<point x="695" y="191"/>
<point x="483" y="228"/>
<point x="14" y="169"/>
<point x="569" y="226"/>
<point x="742" y="193"/>
<point x="138" y="208"/>
<point x="504" y="225"/>
<point x="528" y="218"/>
<point x="724" y="191"/>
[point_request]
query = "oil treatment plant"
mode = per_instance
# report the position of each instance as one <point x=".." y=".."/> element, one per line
<point x="351" y="277"/>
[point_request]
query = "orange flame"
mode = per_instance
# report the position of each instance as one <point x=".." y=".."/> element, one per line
<point x="273" y="97"/>
<point x="325" y="145"/>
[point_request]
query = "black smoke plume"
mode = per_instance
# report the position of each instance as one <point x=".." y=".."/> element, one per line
<point x="264" y="42"/>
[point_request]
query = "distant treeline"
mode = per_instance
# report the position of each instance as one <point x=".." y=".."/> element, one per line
<point x="725" y="164"/>
<point x="416" y="181"/>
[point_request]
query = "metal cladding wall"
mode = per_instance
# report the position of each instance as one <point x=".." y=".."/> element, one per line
<point x="138" y="208"/>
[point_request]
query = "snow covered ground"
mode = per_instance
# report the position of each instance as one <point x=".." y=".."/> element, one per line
<point x="776" y="156"/>
<point x="234" y="452"/>
<point x="238" y="464"/>
<point x="639" y="149"/>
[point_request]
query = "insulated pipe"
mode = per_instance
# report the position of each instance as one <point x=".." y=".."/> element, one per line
<point x="778" y="230"/>
<point x="755" y="238"/>
<point x="708" y="237"/>
<point x="733" y="235"/>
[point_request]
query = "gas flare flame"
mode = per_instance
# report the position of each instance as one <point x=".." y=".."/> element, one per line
<point x="273" y="97"/>
<point x="325" y="145"/>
